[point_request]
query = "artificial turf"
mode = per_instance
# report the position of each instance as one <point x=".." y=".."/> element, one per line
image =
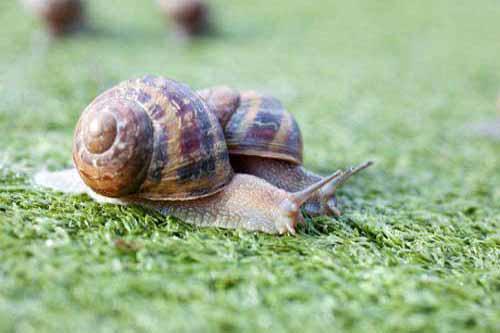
<point x="417" y="248"/>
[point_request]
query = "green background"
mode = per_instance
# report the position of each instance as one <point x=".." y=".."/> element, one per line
<point x="400" y="82"/>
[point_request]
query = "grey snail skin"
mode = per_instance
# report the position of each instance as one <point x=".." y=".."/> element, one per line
<point x="154" y="142"/>
<point x="264" y="140"/>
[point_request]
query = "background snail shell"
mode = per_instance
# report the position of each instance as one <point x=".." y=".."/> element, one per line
<point x="190" y="17"/>
<point x="61" y="16"/>
<point x="151" y="138"/>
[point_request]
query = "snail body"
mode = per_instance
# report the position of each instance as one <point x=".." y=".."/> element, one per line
<point x="247" y="202"/>
<point x="264" y="140"/>
<point x="60" y="16"/>
<point x="188" y="17"/>
<point x="152" y="141"/>
<point x="290" y="177"/>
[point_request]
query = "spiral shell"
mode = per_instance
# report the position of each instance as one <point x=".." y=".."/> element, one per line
<point x="262" y="127"/>
<point x="151" y="138"/>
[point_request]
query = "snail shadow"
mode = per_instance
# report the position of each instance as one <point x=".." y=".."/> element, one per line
<point x="122" y="34"/>
<point x="138" y="36"/>
<point x="235" y="33"/>
<point x="130" y="36"/>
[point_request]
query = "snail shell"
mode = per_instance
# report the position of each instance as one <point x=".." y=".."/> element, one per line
<point x="151" y="138"/>
<point x="222" y="100"/>
<point x="61" y="16"/>
<point x="190" y="16"/>
<point x="255" y="124"/>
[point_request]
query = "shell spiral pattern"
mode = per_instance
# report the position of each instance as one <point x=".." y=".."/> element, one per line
<point x="151" y="138"/>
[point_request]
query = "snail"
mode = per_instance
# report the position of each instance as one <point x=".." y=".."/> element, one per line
<point x="264" y="140"/>
<point x="189" y="17"/>
<point x="153" y="141"/>
<point x="60" y="16"/>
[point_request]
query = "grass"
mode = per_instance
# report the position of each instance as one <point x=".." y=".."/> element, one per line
<point x="417" y="248"/>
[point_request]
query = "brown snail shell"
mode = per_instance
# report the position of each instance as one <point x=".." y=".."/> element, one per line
<point x="190" y="17"/>
<point x="223" y="101"/>
<point x="151" y="138"/>
<point x="255" y="124"/>
<point x="60" y="16"/>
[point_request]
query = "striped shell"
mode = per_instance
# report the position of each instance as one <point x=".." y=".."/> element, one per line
<point x="222" y="100"/>
<point x="151" y="138"/>
<point x="261" y="126"/>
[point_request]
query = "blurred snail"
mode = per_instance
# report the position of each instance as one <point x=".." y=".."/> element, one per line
<point x="189" y="17"/>
<point x="153" y="141"/>
<point x="60" y="16"/>
<point x="264" y="140"/>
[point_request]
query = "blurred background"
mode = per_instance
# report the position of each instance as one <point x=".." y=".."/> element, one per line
<point x="400" y="82"/>
<point x="363" y="78"/>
